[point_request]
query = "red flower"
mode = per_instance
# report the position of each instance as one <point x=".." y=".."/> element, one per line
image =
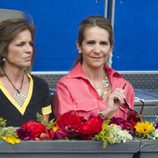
<point x="133" y="117"/>
<point x="35" y="128"/>
<point x="73" y="126"/>
<point x="47" y="135"/>
<point x="69" y="121"/>
<point x="24" y="134"/>
<point x="91" y="126"/>
<point x="51" y="133"/>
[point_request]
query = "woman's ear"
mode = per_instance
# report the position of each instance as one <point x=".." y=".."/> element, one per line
<point x="78" y="47"/>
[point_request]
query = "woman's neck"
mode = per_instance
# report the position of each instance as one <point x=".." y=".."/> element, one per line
<point x="94" y="74"/>
<point x="13" y="73"/>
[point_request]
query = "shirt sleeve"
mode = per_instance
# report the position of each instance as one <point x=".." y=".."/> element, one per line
<point x="130" y="95"/>
<point x="63" y="101"/>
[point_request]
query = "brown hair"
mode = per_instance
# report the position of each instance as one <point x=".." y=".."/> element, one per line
<point x="92" y="21"/>
<point x="8" y="31"/>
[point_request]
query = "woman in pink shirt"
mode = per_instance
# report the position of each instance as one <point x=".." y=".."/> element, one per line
<point x="92" y="88"/>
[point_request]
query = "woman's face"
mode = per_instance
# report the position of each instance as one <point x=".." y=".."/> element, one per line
<point x="95" y="47"/>
<point x="20" y="50"/>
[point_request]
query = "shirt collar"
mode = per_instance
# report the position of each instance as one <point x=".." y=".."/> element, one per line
<point x="111" y="72"/>
<point x="77" y="72"/>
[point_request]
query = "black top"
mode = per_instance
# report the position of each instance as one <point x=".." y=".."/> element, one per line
<point x="37" y="101"/>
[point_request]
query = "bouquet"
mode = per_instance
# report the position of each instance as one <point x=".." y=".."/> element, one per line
<point x="71" y="126"/>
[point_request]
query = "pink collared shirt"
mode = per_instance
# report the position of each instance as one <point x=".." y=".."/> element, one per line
<point x="75" y="92"/>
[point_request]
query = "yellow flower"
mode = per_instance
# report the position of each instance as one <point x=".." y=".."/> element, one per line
<point x="144" y="127"/>
<point x="11" y="140"/>
<point x="55" y="128"/>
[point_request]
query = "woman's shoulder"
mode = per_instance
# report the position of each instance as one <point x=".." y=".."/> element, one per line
<point x="74" y="75"/>
<point x="117" y="77"/>
<point x="66" y="78"/>
<point x="70" y="80"/>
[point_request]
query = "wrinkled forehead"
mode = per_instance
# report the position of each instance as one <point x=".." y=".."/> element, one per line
<point x="7" y="14"/>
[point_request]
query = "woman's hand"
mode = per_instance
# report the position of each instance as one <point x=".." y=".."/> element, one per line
<point x="114" y="100"/>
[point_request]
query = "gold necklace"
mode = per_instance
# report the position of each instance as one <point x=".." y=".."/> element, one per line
<point x="102" y="92"/>
<point x="19" y="97"/>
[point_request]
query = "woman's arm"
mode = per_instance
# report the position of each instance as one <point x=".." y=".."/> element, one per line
<point x="62" y="101"/>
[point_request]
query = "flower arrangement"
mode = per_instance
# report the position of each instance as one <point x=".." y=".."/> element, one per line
<point x="8" y="134"/>
<point x="68" y="126"/>
<point x="71" y="126"/>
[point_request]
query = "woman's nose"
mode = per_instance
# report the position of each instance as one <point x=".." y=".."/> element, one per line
<point x="29" y="48"/>
<point x="97" y="48"/>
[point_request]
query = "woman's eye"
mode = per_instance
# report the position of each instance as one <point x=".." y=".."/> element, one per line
<point x="104" y="43"/>
<point x="91" y="42"/>
<point x="24" y="43"/>
<point x="20" y="44"/>
<point x="31" y="43"/>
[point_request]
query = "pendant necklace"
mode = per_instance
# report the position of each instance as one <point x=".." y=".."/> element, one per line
<point x="19" y="97"/>
<point x="102" y="93"/>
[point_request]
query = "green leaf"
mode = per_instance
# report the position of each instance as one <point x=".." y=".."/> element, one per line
<point x="48" y="124"/>
<point x="2" y="122"/>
